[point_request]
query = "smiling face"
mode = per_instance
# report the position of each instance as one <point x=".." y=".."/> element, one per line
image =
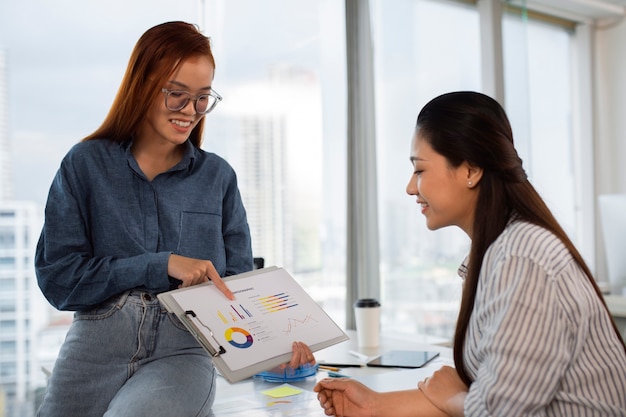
<point x="164" y="126"/>
<point x="447" y="195"/>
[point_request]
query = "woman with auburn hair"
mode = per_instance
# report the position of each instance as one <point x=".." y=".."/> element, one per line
<point x="136" y="209"/>
<point x="534" y="336"/>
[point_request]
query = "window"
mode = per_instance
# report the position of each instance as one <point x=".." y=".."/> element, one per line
<point x="420" y="286"/>
<point x="8" y="347"/>
<point x="7" y="237"/>
<point x="539" y="104"/>
<point x="7" y="285"/>
<point x="7" y="326"/>
<point x="7" y="263"/>
<point x="7" y="305"/>
<point x="282" y="126"/>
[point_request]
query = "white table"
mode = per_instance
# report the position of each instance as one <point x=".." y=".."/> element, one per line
<point x="617" y="306"/>
<point x="246" y="398"/>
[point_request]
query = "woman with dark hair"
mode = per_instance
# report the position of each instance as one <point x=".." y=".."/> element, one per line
<point x="135" y="209"/>
<point x="534" y="336"/>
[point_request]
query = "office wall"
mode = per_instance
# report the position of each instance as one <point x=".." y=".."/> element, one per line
<point x="610" y="117"/>
<point x="610" y="86"/>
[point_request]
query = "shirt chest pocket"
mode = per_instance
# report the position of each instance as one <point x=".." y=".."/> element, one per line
<point x="200" y="236"/>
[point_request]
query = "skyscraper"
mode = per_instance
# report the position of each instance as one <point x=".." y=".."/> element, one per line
<point x="23" y="310"/>
<point x="278" y="142"/>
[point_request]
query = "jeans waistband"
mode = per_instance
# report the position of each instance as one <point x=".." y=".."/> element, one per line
<point x="145" y="296"/>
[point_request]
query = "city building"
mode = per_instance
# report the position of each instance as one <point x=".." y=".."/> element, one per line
<point x="23" y="311"/>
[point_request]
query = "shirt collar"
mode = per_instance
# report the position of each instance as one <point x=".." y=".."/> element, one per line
<point x="187" y="161"/>
<point x="463" y="268"/>
<point x="189" y="156"/>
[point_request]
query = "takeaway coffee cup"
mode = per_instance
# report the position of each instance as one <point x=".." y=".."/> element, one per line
<point x="367" y="315"/>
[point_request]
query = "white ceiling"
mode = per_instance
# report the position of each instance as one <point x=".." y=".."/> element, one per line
<point x="578" y="9"/>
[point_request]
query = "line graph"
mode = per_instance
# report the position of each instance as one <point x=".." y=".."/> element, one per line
<point x="292" y="323"/>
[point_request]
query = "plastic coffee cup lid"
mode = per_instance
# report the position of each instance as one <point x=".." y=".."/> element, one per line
<point x="366" y="302"/>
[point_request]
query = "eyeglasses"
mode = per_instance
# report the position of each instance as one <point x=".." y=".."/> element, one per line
<point x="176" y="100"/>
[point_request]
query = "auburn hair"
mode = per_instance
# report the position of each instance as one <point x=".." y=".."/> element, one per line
<point x="472" y="127"/>
<point x="156" y="55"/>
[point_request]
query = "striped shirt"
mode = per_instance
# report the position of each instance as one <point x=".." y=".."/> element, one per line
<point x="539" y="342"/>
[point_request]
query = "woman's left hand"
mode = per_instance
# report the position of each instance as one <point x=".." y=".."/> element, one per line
<point x="300" y="355"/>
<point x="445" y="390"/>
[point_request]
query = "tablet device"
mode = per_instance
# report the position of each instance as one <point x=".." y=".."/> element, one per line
<point x="403" y="359"/>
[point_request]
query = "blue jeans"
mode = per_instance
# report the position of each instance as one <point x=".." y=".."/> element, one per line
<point x="130" y="358"/>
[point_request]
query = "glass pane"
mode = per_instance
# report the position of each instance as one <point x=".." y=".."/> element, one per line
<point x="7" y="284"/>
<point x="72" y="60"/>
<point x="282" y="123"/>
<point x="420" y="285"/>
<point x="539" y="104"/>
<point x="7" y="263"/>
<point x="7" y="237"/>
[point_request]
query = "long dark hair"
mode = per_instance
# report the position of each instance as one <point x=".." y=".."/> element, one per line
<point x="159" y="51"/>
<point x="472" y="127"/>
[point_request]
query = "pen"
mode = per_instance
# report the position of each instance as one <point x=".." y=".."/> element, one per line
<point x="328" y="368"/>
<point x="342" y="365"/>
<point x="359" y="355"/>
<point x="337" y="375"/>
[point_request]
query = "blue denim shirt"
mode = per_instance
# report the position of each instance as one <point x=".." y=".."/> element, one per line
<point x="109" y="229"/>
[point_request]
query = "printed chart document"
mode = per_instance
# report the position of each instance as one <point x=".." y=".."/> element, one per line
<point x="254" y="332"/>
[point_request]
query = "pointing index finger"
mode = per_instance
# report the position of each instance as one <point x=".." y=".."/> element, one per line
<point x="221" y="285"/>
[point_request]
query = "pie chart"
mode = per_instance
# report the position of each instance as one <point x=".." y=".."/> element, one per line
<point x="242" y="339"/>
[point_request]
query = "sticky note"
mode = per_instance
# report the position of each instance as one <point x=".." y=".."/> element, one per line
<point x="284" y="390"/>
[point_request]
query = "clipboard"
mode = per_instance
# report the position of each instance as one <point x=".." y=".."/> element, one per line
<point x="254" y="332"/>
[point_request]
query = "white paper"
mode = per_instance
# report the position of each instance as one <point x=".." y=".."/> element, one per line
<point x="269" y="313"/>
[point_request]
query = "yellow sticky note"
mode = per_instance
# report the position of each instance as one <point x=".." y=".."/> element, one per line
<point x="284" y="390"/>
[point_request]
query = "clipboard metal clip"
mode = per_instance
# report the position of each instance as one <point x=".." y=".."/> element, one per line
<point x="215" y="352"/>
